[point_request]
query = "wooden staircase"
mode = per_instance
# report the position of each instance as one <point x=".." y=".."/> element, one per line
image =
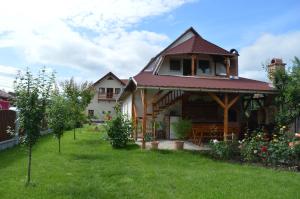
<point x="170" y="98"/>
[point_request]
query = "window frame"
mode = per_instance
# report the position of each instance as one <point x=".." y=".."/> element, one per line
<point x="91" y="113"/>
<point x="180" y="64"/>
<point x="119" y="89"/>
<point x="200" y="69"/>
<point x="102" y="90"/>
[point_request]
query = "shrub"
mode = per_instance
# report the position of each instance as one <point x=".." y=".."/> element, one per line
<point x="182" y="127"/>
<point x="224" y="149"/>
<point x="118" y="129"/>
<point x="255" y="148"/>
<point x="280" y="152"/>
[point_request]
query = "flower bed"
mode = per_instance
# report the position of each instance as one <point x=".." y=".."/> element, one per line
<point x="276" y="151"/>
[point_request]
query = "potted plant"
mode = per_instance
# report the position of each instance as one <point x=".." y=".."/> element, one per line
<point x="154" y="145"/>
<point x="181" y="128"/>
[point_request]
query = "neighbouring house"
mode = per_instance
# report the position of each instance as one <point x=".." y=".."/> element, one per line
<point x="195" y="79"/>
<point x="4" y="100"/>
<point x="107" y="88"/>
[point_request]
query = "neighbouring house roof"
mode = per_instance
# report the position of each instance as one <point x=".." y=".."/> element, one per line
<point x="197" y="44"/>
<point x="148" y="80"/>
<point x="123" y="81"/>
<point x="4" y="95"/>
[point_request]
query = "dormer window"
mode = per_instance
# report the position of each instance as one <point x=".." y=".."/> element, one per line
<point x="204" y="67"/>
<point x="175" y="65"/>
<point x="220" y="69"/>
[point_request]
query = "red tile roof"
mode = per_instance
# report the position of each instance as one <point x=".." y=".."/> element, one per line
<point x="197" y="44"/>
<point x="147" y="79"/>
<point x="125" y="81"/>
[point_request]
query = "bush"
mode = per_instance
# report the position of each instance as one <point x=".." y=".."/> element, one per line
<point x="255" y="148"/>
<point x="280" y="152"/>
<point x="118" y="129"/>
<point x="225" y="150"/>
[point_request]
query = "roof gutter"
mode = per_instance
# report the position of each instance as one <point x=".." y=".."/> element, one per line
<point x="210" y="90"/>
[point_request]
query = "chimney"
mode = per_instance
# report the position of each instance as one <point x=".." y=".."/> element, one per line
<point x="234" y="63"/>
<point x="276" y="64"/>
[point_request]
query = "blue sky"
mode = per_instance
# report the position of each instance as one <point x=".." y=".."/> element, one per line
<point x="86" y="38"/>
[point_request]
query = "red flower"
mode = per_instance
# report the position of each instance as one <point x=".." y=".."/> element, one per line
<point x="264" y="149"/>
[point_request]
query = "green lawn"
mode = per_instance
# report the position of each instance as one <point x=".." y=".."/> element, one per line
<point x="90" y="168"/>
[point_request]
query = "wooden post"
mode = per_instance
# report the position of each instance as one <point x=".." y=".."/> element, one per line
<point x="225" y="116"/>
<point x="144" y="125"/>
<point x="193" y="65"/>
<point x="226" y="106"/>
<point x="227" y="67"/>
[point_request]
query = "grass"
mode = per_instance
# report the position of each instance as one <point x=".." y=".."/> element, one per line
<point x="90" y="168"/>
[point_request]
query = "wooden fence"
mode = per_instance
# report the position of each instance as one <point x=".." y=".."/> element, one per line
<point x="7" y="118"/>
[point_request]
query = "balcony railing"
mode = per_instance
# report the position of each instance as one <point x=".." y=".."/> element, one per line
<point x="107" y="96"/>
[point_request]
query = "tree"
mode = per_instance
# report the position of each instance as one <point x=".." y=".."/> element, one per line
<point x="288" y="98"/>
<point x="32" y="95"/>
<point x="57" y="114"/>
<point x="78" y="97"/>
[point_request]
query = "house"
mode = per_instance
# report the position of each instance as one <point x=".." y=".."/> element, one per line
<point x="107" y="88"/>
<point x="4" y="100"/>
<point x="195" y="79"/>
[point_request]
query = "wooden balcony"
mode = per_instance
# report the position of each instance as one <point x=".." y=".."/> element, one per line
<point x="107" y="96"/>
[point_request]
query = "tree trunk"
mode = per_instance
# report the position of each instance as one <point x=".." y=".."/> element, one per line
<point x="29" y="164"/>
<point x="59" y="144"/>
<point x="74" y="133"/>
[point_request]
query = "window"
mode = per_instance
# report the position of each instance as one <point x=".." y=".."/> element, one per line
<point x="204" y="67"/>
<point x="117" y="90"/>
<point x="109" y="93"/>
<point x="220" y="69"/>
<point x="175" y="64"/>
<point x="101" y="90"/>
<point x="90" y="113"/>
<point x="187" y="67"/>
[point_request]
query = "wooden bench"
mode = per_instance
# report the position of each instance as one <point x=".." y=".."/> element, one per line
<point x="211" y="131"/>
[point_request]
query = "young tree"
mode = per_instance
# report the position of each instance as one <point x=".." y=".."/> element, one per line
<point x="78" y="96"/>
<point x="32" y="95"/>
<point x="57" y="114"/>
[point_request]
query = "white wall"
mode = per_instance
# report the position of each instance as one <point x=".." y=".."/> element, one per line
<point x="127" y="106"/>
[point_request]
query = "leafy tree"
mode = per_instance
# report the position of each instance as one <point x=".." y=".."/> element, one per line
<point x="118" y="129"/>
<point x="57" y="116"/>
<point x="78" y="97"/>
<point x="288" y="85"/>
<point x="32" y="97"/>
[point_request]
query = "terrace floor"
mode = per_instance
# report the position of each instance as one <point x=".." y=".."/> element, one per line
<point x="170" y="145"/>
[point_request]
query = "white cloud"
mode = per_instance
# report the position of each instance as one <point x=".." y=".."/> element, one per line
<point x="7" y="76"/>
<point x="266" y="47"/>
<point x="88" y="35"/>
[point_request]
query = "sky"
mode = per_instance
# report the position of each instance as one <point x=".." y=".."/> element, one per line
<point x="88" y="38"/>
